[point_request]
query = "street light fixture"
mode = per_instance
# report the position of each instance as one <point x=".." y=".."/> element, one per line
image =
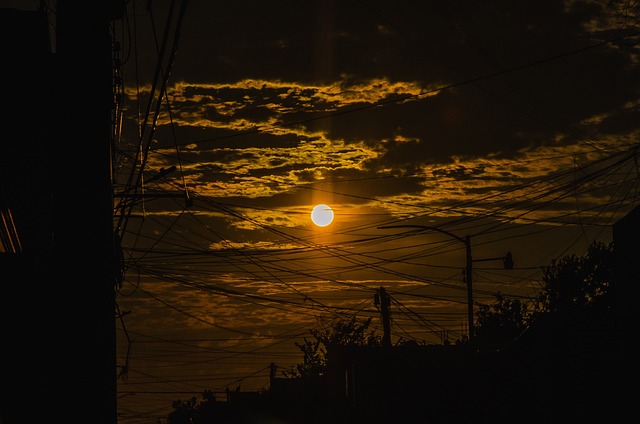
<point x="468" y="272"/>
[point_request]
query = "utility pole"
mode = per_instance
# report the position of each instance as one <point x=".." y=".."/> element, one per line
<point x="468" y="270"/>
<point x="383" y="303"/>
<point x="468" y="277"/>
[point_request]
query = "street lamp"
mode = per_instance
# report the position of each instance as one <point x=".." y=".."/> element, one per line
<point x="468" y="273"/>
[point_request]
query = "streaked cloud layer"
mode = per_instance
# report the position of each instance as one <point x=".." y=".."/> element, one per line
<point x="513" y="123"/>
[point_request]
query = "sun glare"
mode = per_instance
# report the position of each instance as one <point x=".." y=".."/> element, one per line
<point x="322" y="215"/>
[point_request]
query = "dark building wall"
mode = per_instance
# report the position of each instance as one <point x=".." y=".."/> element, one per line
<point x="83" y="257"/>
<point x="26" y="77"/>
<point x="28" y="295"/>
<point x="626" y="242"/>
<point x="626" y="239"/>
<point x="58" y="296"/>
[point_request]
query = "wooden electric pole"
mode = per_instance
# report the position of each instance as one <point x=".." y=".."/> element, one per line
<point x="383" y="302"/>
<point x="468" y="270"/>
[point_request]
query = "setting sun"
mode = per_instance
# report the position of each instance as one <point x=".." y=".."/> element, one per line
<point x="322" y="215"/>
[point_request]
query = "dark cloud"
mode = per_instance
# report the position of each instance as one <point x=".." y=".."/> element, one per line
<point x="481" y="117"/>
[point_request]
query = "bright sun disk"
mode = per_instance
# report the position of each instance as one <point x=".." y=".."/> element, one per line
<point x="322" y="215"/>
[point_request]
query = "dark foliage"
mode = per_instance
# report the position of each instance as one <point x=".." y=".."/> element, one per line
<point x="332" y="335"/>
<point x="555" y="358"/>
<point x="579" y="282"/>
<point x="499" y="324"/>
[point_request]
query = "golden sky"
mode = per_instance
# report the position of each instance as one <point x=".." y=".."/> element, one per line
<point x="515" y="124"/>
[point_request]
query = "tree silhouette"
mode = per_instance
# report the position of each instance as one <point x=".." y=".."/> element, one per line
<point x="184" y="412"/>
<point x="193" y="411"/>
<point x="314" y="360"/>
<point x="579" y="282"/>
<point x="569" y="354"/>
<point x="333" y="335"/>
<point x="572" y="285"/>
<point x="499" y="324"/>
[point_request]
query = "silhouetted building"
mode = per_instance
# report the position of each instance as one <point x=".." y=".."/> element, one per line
<point x="28" y="293"/>
<point x="626" y="242"/>
<point x="56" y="247"/>
<point x="626" y="239"/>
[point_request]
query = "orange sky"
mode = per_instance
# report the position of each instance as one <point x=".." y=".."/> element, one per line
<point x="514" y="124"/>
